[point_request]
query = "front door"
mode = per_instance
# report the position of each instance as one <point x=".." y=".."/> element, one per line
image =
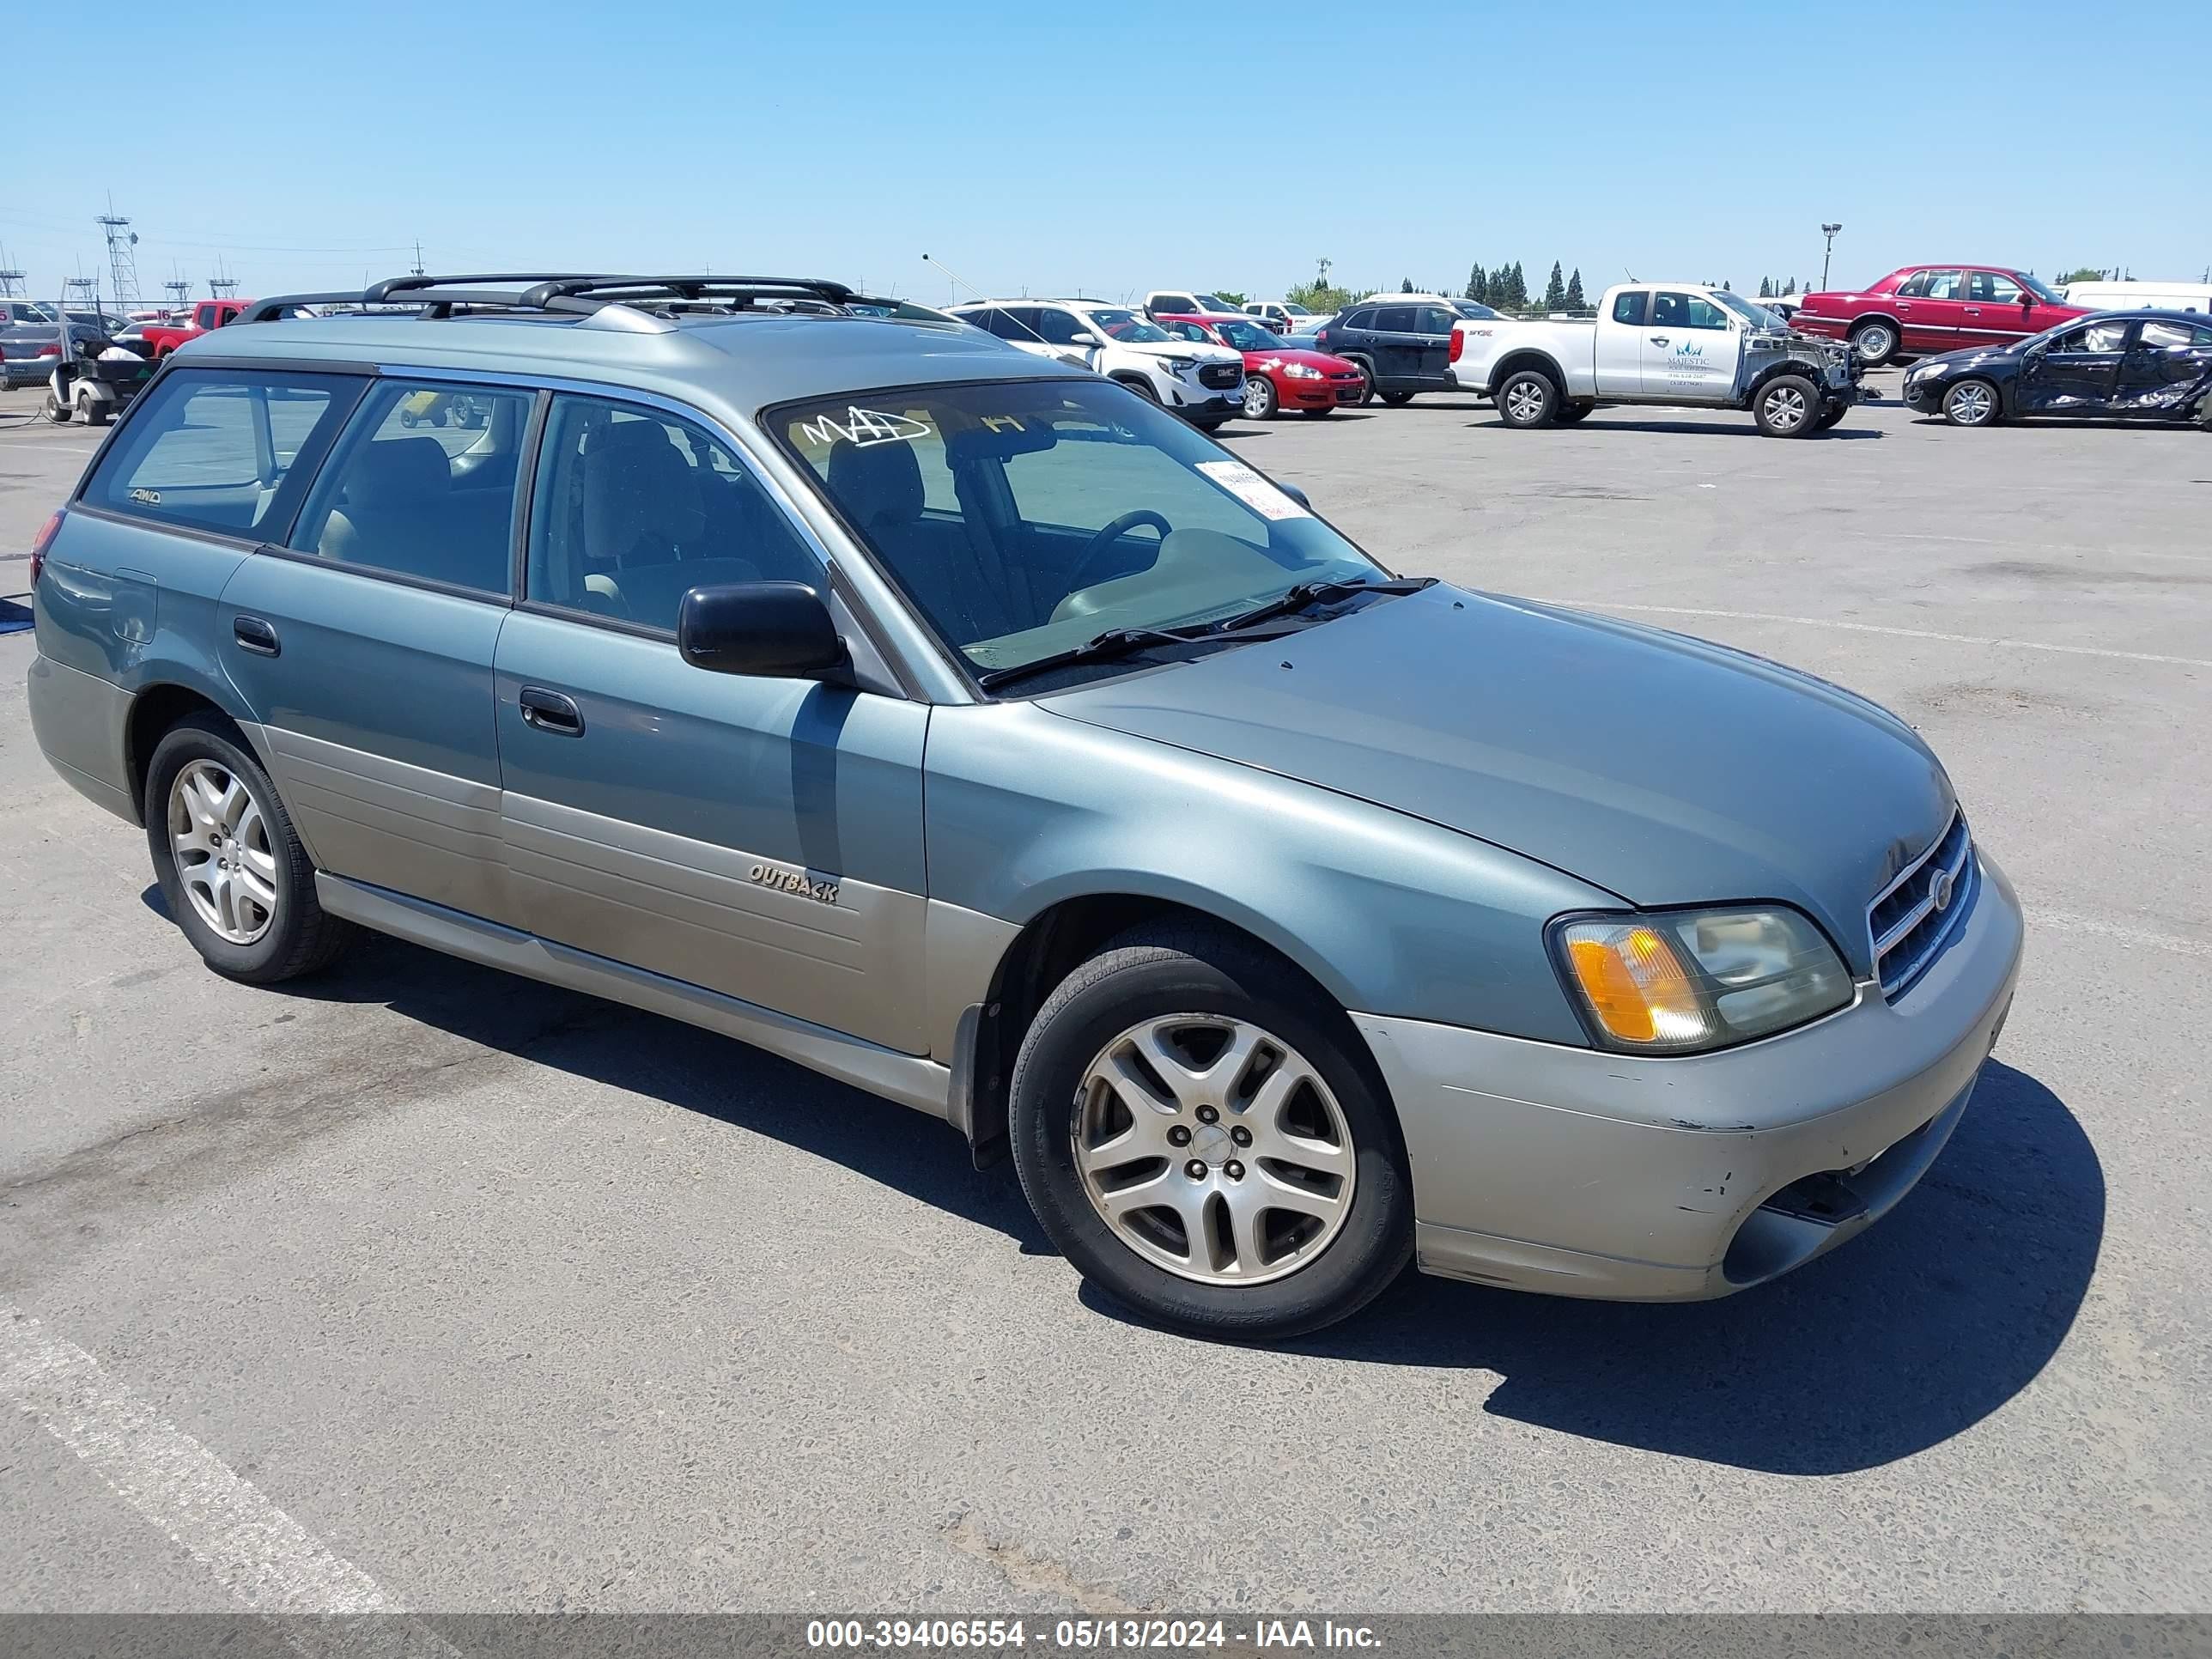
<point x="1690" y="349"/>
<point x="1996" y="310"/>
<point x="2166" y="368"/>
<point x="1395" y="344"/>
<point x="760" y="837"/>
<point x="2076" y="373"/>
<point x="1432" y="362"/>
<point x="364" y="647"/>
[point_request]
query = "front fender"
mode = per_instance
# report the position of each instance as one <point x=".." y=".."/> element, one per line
<point x="1026" y="809"/>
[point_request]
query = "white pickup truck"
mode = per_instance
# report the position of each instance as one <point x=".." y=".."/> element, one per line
<point x="1658" y="343"/>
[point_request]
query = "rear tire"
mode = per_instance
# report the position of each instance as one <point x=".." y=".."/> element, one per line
<point x="232" y="873"/>
<point x="1234" y="1270"/>
<point x="1973" y="403"/>
<point x="55" y="410"/>
<point x="91" y="411"/>
<point x="1528" y="399"/>
<point x="1876" y="342"/>
<point x="1786" y="407"/>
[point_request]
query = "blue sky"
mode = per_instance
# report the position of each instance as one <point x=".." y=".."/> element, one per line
<point x="1045" y="150"/>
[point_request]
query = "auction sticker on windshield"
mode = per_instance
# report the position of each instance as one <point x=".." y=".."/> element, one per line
<point x="1254" y="491"/>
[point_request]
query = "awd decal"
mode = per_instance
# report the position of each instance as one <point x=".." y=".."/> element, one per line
<point x="862" y="427"/>
<point x="793" y="881"/>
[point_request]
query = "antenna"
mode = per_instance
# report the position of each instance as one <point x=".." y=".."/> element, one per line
<point x="122" y="262"/>
<point x="418" y="271"/>
<point x="958" y="280"/>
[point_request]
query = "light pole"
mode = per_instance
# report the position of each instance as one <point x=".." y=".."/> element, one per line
<point x="1828" y="231"/>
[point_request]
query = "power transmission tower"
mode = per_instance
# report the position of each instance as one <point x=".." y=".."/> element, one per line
<point x="222" y="284"/>
<point x="86" y="290"/>
<point x="122" y="262"/>
<point x="180" y="291"/>
<point x="11" y="280"/>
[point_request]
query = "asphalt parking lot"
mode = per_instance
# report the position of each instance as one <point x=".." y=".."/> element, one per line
<point x="424" y="1284"/>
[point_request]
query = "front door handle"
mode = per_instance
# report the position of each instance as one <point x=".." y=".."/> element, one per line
<point x="1658" y="339"/>
<point x="549" y="711"/>
<point x="255" y="635"/>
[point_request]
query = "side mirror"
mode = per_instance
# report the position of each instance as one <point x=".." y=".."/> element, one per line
<point x="1090" y="339"/>
<point x="1294" y="493"/>
<point x="777" y="630"/>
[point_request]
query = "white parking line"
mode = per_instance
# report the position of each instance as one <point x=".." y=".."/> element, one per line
<point x="264" y="1557"/>
<point x="1876" y="628"/>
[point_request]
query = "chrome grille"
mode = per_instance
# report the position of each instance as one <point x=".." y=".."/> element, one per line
<point x="1912" y="918"/>
<point x="1221" y="374"/>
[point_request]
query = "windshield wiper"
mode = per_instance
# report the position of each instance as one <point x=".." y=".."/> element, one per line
<point x="1311" y="593"/>
<point x="1100" y="647"/>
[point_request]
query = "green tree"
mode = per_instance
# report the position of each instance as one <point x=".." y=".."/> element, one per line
<point x="2080" y="274"/>
<point x="1519" y="285"/>
<point x="1319" y="297"/>
<point x="1477" y="284"/>
<point x="1575" y="300"/>
<point x="1790" y="288"/>
<point x="1230" y="294"/>
<point x="1404" y="285"/>
<point x="1555" y="291"/>
<point x="1766" y="287"/>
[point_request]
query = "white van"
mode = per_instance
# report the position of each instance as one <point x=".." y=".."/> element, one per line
<point x="2141" y="296"/>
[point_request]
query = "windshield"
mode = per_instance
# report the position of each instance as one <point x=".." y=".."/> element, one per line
<point x="1757" y="316"/>
<point x="31" y="310"/>
<point x="1469" y="308"/>
<point x="1247" y="337"/>
<point x="1213" y="302"/>
<point x="1025" y="518"/>
<point x="2041" y="290"/>
<point x="1127" y="326"/>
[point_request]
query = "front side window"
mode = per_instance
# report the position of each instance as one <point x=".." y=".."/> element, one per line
<point x="1670" y="310"/>
<point x="422" y="485"/>
<point x="1188" y="332"/>
<point x="1434" y="319"/>
<point x="1069" y="507"/>
<point x="1058" y="327"/>
<point x="1988" y="288"/>
<point x="1913" y="286"/>
<point x="221" y="450"/>
<point x="1704" y="314"/>
<point x="1628" y="307"/>
<point x="635" y="508"/>
<point x="1246" y="336"/>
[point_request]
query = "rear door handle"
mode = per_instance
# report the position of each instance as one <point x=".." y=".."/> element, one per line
<point x="549" y="711"/>
<point x="255" y="635"/>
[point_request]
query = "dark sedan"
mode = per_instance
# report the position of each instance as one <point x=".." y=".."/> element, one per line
<point x="2143" y="364"/>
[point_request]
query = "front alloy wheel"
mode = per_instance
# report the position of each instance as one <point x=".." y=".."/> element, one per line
<point x="1258" y="397"/>
<point x="1787" y="406"/>
<point x="1970" y="403"/>
<point x="224" y="859"/>
<point x="1214" y="1149"/>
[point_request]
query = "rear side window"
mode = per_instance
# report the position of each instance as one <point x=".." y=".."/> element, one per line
<point x="422" y="485"/>
<point x="222" y="450"/>
<point x="1394" y="319"/>
<point x="1629" y="308"/>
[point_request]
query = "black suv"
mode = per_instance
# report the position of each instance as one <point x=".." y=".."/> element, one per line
<point x="1402" y="345"/>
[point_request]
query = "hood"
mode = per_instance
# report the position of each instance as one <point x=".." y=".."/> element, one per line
<point x="2007" y="352"/>
<point x="1202" y="350"/>
<point x="1320" y="360"/>
<point x="1662" y="768"/>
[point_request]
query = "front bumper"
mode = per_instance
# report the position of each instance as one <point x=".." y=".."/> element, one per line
<point x="1584" y="1173"/>
<point x="1922" y="395"/>
<point x="1199" y="405"/>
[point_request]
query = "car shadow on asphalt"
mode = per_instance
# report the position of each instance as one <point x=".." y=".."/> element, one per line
<point x="1598" y="423"/>
<point x="681" y="1066"/>
<point x="1901" y="1338"/>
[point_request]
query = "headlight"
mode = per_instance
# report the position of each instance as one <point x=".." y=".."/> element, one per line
<point x="1180" y="365"/>
<point x="1302" y="371"/>
<point x="1681" y="980"/>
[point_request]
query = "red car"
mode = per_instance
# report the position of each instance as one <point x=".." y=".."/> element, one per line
<point x="162" y="338"/>
<point x="1277" y="376"/>
<point x="1924" y="309"/>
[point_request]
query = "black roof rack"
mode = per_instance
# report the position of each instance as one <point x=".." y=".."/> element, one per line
<point x="574" y="293"/>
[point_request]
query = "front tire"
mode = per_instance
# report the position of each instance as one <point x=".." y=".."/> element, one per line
<point x="1787" y="406"/>
<point x="1260" y="401"/>
<point x="1528" y="400"/>
<point x="90" y="410"/>
<point x="55" y="410"/>
<point x="1397" y="399"/>
<point x="1322" y="413"/>
<point x="230" y="864"/>
<point x="1875" y="342"/>
<point x="1366" y="380"/>
<point x="1263" y="1192"/>
<point x="1571" y="413"/>
<point x="1972" y="402"/>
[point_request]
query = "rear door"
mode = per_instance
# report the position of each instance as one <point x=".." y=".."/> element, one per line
<point x="1930" y="311"/>
<point x="2077" y="374"/>
<point x="1619" y="346"/>
<point x="363" y="644"/>
<point x="2166" y="367"/>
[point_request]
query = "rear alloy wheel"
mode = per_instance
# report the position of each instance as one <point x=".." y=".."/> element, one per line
<point x="1528" y="399"/>
<point x="1786" y="406"/>
<point x="1971" y="402"/>
<point x="1258" y="397"/>
<point x="1876" y="342"/>
<point x="1196" y="1130"/>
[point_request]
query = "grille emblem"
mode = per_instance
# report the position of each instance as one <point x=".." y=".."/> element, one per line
<point x="1939" y="891"/>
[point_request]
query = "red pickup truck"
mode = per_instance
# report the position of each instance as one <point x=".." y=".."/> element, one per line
<point x="1920" y="310"/>
<point x="162" y="338"/>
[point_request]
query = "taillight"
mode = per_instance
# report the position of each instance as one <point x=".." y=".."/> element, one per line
<point x="41" y="542"/>
<point x="1459" y="342"/>
<point x="50" y="351"/>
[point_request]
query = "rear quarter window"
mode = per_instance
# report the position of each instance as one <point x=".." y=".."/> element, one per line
<point x="222" y="450"/>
